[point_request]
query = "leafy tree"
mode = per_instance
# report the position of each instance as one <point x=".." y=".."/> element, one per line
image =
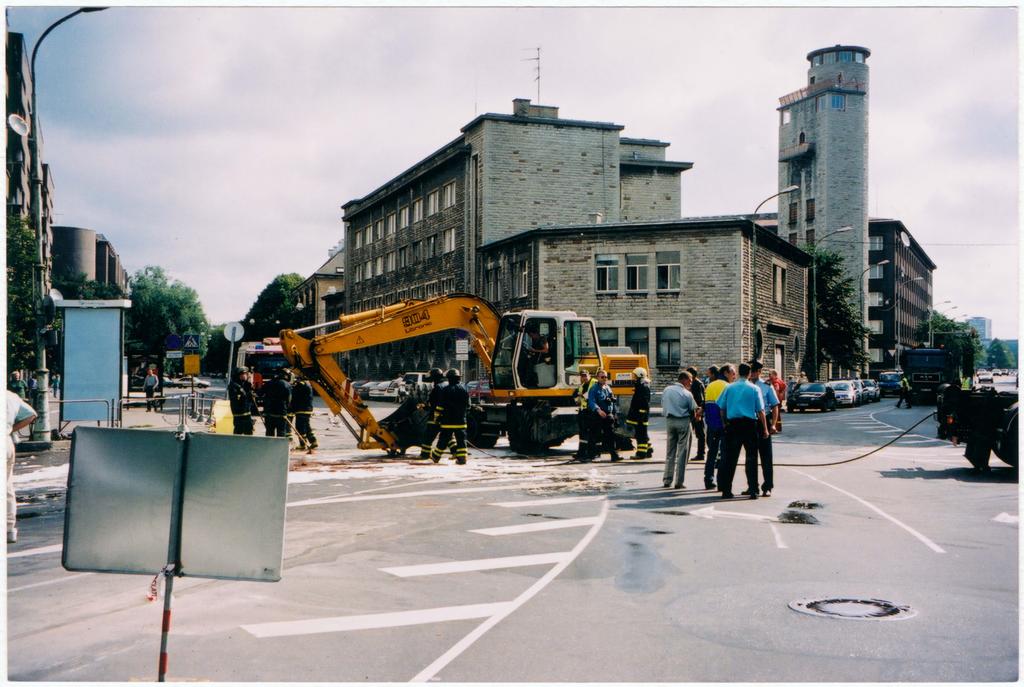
<point x="21" y="253"/>
<point x="840" y="328"/>
<point x="274" y="309"/>
<point x="77" y="286"/>
<point x="160" y="307"/>
<point x="1000" y="355"/>
<point x="217" y="351"/>
<point x="959" y="338"/>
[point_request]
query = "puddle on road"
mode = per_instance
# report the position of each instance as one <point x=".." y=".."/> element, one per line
<point x="542" y="515"/>
<point x="796" y="517"/>
<point x="670" y="512"/>
<point x="807" y="505"/>
<point x="643" y="570"/>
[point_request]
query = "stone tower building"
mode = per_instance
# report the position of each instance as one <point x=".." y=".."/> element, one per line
<point x="823" y="148"/>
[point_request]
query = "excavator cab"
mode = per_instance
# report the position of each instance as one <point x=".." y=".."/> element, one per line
<point x="537" y="351"/>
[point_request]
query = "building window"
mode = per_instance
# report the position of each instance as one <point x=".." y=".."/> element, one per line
<point x="838" y="101"/>
<point x="819" y="104"/>
<point x="858" y="57"/>
<point x="378" y="266"/>
<point x="846" y="56"/>
<point x="389" y="262"/>
<point x="432" y="203"/>
<point x="417" y="252"/>
<point x="810" y="237"/>
<point x="636" y="272"/>
<point x="608" y="336"/>
<point x="787" y="116"/>
<point x="431" y="249"/>
<point x="390" y="220"/>
<point x="875" y="298"/>
<point x="817" y="61"/>
<point x="875" y="326"/>
<point x="874" y="243"/>
<point x="669" y="352"/>
<point x="876" y="272"/>
<point x="778" y="284"/>
<point x="521" y="279"/>
<point x="378" y="229"/>
<point x="793" y="238"/>
<point x="366" y="235"/>
<point x="417" y="210"/>
<point x="357" y="239"/>
<point x="830" y="58"/>
<point x="794" y="209"/>
<point x="638" y="339"/>
<point x="809" y="216"/>
<point x="492" y="285"/>
<point x="607" y="273"/>
<point x="403" y="217"/>
<point x="403" y="257"/>
<point x="668" y="270"/>
<point x="448" y="240"/>
<point x="448" y="195"/>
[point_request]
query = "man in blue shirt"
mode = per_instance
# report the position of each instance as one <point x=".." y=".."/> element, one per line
<point x="601" y="404"/>
<point x="764" y="443"/>
<point x="743" y="409"/>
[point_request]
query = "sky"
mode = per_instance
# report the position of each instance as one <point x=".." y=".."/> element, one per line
<point x="221" y="143"/>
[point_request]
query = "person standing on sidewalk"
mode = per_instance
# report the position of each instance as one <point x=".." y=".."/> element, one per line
<point x="601" y="404"/>
<point x="302" y="409"/>
<point x="240" y="396"/>
<point x="19" y="415"/>
<point x="904" y="391"/>
<point x="764" y="443"/>
<point x="743" y="409"/>
<point x="720" y="379"/>
<point x="149" y="385"/>
<point x="579" y="395"/>
<point x="453" y="406"/>
<point x="679" y="408"/>
<point x="55" y="384"/>
<point x="697" y="388"/>
<point x="18" y="385"/>
<point x="638" y="416"/>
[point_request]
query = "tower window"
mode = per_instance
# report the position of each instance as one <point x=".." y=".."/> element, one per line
<point x="858" y="57"/>
<point x="817" y="60"/>
<point x="787" y="117"/>
<point x="809" y="216"/>
<point x="803" y="138"/>
<point x="793" y="210"/>
<point x="846" y="56"/>
<point x="830" y="58"/>
<point x="819" y="104"/>
<point x="838" y="101"/>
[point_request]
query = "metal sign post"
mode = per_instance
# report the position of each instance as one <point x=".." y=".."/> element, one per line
<point x="233" y="332"/>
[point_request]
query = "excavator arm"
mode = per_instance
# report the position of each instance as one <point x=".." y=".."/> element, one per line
<point x="314" y="358"/>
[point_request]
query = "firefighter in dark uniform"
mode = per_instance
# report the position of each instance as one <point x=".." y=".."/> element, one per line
<point x="579" y="395"/>
<point x="302" y="409"/>
<point x="243" y="404"/>
<point x="452" y="407"/>
<point x="433" y="427"/>
<point x="277" y="396"/>
<point x="638" y="416"/>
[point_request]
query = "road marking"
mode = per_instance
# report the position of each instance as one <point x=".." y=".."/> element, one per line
<point x="536" y="526"/>
<point x="709" y="512"/>
<point x="48" y="582"/>
<point x="56" y="548"/>
<point x="547" y="502"/>
<point x="923" y="539"/>
<point x="778" y="536"/>
<point x="905" y="441"/>
<point x="348" y="623"/>
<point x="1007" y="518"/>
<point x="883" y="431"/>
<point x="467" y="641"/>
<point x="479" y="564"/>
<point x="402" y="495"/>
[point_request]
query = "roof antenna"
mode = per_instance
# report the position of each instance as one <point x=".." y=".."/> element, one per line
<point x="537" y="60"/>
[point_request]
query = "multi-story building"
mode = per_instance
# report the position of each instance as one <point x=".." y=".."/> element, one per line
<point x="80" y="251"/>
<point x="899" y="292"/>
<point x="421" y="234"/>
<point x="680" y="291"/>
<point x="327" y="280"/>
<point x="983" y="325"/>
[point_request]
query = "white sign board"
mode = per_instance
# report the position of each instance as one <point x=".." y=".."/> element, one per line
<point x="175" y="355"/>
<point x="92" y="356"/>
<point x="233" y="332"/>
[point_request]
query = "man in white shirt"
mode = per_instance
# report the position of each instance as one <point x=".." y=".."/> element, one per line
<point x="19" y="415"/>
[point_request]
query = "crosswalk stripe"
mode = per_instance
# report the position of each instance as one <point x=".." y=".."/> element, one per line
<point x="400" y="495"/>
<point x="56" y="548"/>
<point x="348" y="623"/>
<point x="479" y="564"/>
<point x="547" y="502"/>
<point x="537" y="526"/>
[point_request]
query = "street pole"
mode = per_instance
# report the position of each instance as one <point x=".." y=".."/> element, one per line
<point x="41" y="427"/>
<point x="753" y="263"/>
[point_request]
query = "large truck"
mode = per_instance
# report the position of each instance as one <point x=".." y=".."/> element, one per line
<point x="531" y="393"/>
<point x="929" y="368"/>
<point x="983" y="419"/>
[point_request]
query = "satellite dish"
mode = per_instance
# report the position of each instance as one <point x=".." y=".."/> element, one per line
<point x="18" y="124"/>
<point x="905" y="238"/>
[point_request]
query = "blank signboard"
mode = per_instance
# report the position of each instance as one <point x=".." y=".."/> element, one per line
<point x="121" y="513"/>
<point x="92" y="362"/>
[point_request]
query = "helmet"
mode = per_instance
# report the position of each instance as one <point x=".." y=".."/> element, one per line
<point x="436" y="375"/>
<point x="639" y="373"/>
<point x="240" y="370"/>
<point x="453" y="375"/>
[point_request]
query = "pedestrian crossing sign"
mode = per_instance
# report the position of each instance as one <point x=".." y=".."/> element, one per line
<point x="190" y="342"/>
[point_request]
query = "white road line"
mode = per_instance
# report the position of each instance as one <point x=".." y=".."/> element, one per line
<point x="48" y="582"/>
<point x="467" y="641"/>
<point x="56" y="548"/>
<point x="778" y="536"/>
<point x="923" y="539"/>
<point x="547" y="502"/>
<point x="348" y="623"/>
<point x="883" y="431"/>
<point x="402" y="495"/>
<point x="904" y="442"/>
<point x="479" y="564"/>
<point x="536" y="526"/>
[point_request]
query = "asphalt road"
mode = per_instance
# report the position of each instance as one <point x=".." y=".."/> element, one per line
<point x="527" y="569"/>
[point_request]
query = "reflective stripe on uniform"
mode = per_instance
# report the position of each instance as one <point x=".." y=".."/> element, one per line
<point x="241" y="414"/>
<point x="453" y="426"/>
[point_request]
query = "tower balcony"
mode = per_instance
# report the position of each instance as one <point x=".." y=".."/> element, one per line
<point x="855" y="85"/>
<point x="796" y="151"/>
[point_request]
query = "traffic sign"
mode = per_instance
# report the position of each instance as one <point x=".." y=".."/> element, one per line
<point x="233" y="332"/>
<point x="190" y="343"/>
<point x="462" y="349"/>
<point x="191" y="364"/>
<point x="175" y="355"/>
<point x="172" y="342"/>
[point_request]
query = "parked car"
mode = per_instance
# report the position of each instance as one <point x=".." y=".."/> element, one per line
<point x="889" y="383"/>
<point x="479" y="390"/>
<point x="858" y="387"/>
<point x="816" y="395"/>
<point x="874" y="394"/>
<point x="389" y="390"/>
<point x="417" y="382"/>
<point x="846" y="395"/>
<point x="984" y="376"/>
<point x="360" y="386"/>
<point x="187" y="382"/>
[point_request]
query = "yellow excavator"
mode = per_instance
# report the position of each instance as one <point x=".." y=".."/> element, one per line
<point x="534" y="358"/>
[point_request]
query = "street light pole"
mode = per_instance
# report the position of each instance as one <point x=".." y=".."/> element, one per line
<point x="753" y="259"/>
<point x="41" y="427"/>
<point x="813" y="348"/>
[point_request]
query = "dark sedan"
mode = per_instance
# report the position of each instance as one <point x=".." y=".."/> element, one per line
<point x="814" y="395"/>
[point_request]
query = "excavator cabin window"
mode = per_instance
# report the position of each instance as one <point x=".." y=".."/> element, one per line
<point x="526" y="354"/>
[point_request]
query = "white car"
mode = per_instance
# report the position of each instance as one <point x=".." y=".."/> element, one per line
<point x="187" y="382"/>
<point x="985" y="376"/>
<point x="393" y="390"/>
<point x="846" y="395"/>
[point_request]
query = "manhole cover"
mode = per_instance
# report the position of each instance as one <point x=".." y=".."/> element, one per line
<point x="853" y="609"/>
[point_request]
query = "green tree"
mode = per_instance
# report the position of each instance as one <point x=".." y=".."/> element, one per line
<point x="1000" y="356"/>
<point x="840" y="329"/>
<point x="78" y="286"/>
<point x="274" y="308"/>
<point x="21" y="253"/>
<point x="160" y="307"/>
<point x="216" y="360"/>
<point x="959" y="338"/>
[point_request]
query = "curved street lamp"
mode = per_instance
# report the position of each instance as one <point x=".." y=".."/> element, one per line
<point x="753" y="260"/>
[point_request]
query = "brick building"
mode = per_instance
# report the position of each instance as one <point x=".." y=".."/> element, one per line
<point x="680" y="290"/>
<point x="327" y="280"/>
